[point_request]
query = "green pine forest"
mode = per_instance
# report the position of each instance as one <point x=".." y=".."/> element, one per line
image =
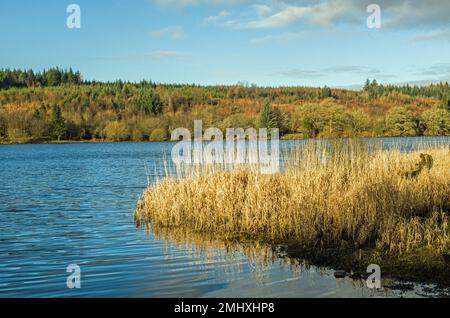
<point x="58" y="105"/>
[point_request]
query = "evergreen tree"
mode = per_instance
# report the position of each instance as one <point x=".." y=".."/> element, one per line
<point x="326" y="92"/>
<point x="149" y="102"/>
<point x="271" y="118"/>
<point x="57" y="123"/>
<point x="156" y="105"/>
<point x="266" y="118"/>
<point x="53" y="77"/>
<point x="367" y="85"/>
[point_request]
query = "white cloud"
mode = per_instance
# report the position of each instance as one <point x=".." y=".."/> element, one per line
<point x="216" y="18"/>
<point x="282" y="18"/>
<point x="416" y="13"/>
<point x="173" y="32"/>
<point x="398" y="14"/>
<point x="281" y="14"/>
<point x="262" y="10"/>
<point x="275" y="13"/>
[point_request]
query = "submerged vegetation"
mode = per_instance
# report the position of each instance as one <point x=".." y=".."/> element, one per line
<point x="122" y="111"/>
<point x="344" y="204"/>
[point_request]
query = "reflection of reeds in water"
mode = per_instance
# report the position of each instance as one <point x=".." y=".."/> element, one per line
<point x="258" y="256"/>
<point x="345" y="195"/>
<point x="231" y="259"/>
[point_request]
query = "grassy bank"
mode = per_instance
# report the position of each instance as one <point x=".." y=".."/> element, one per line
<point x="342" y="205"/>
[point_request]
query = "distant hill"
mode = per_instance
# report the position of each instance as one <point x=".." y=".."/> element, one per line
<point x="59" y="105"/>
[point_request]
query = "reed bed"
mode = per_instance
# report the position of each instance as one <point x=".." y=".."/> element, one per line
<point x="347" y="196"/>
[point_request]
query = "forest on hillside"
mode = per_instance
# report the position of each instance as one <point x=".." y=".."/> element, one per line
<point x="58" y="104"/>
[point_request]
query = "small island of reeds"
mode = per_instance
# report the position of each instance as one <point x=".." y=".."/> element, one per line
<point x="341" y="204"/>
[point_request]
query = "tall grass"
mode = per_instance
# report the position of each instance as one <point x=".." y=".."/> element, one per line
<point x="344" y="195"/>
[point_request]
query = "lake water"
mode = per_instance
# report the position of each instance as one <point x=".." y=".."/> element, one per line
<point x="73" y="204"/>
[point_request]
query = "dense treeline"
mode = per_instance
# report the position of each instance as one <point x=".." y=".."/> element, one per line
<point x="440" y="91"/>
<point x="28" y="78"/>
<point x="58" y="105"/>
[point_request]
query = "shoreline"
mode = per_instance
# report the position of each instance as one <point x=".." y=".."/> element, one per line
<point x="99" y="141"/>
<point x="356" y="209"/>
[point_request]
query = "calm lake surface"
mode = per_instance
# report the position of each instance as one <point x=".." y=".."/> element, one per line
<point x="73" y="204"/>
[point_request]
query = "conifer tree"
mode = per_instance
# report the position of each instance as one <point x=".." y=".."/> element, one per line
<point x="57" y="123"/>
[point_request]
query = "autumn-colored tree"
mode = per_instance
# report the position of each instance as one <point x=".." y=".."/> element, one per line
<point x="402" y="122"/>
<point x="138" y="109"/>
<point x="116" y="131"/>
<point x="437" y="122"/>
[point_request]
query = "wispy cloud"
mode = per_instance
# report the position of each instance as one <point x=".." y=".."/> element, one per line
<point x="322" y="14"/>
<point x="438" y="71"/>
<point x="186" y="3"/>
<point x="263" y="10"/>
<point x="338" y="69"/>
<point x="276" y="14"/>
<point x="442" y="36"/>
<point x="416" y="13"/>
<point x="355" y="69"/>
<point x="217" y="18"/>
<point x="172" y="32"/>
<point x="280" y="38"/>
<point x="399" y="14"/>
<point x="300" y="73"/>
<point x="158" y="55"/>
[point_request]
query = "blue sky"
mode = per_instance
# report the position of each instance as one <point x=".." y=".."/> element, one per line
<point x="266" y="42"/>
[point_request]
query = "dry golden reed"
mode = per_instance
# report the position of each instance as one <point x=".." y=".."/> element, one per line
<point x="342" y="194"/>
